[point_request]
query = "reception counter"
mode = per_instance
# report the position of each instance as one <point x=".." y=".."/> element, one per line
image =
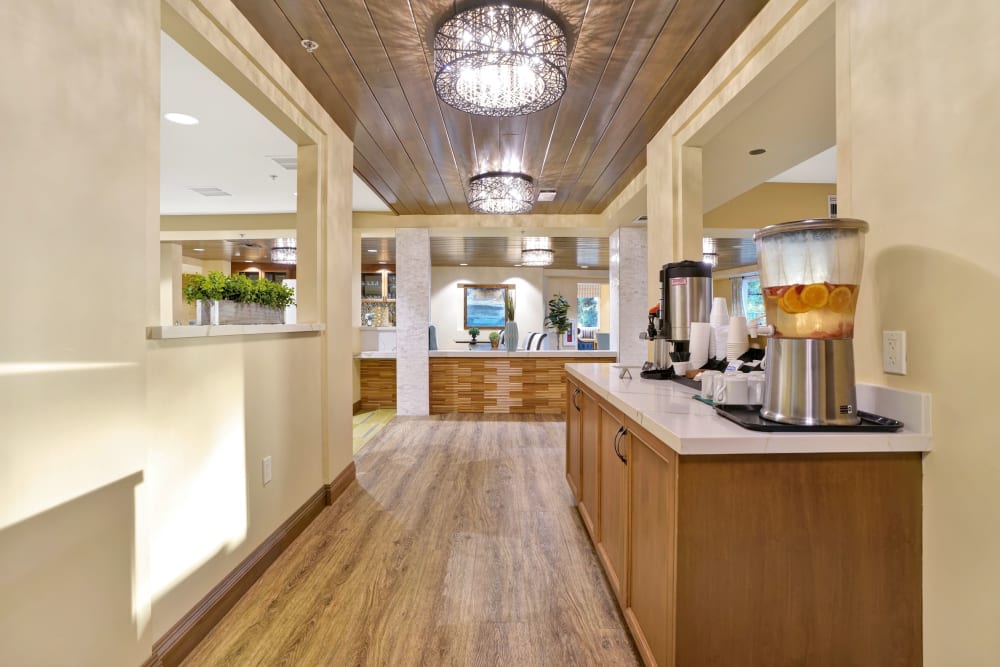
<point x="483" y="382"/>
<point x="497" y="382"/>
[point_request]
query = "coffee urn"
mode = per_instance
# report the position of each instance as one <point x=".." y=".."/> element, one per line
<point x="685" y="297"/>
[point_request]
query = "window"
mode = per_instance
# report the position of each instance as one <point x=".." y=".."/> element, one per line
<point x="588" y="304"/>
<point x="752" y="298"/>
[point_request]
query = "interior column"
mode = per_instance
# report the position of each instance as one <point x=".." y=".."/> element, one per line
<point x="627" y="278"/>
<point x="413" y="315"/>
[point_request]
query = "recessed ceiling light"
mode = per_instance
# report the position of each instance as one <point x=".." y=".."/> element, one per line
<point x="584" y="266"/>
<point x="383" y="262"/>
<point x="517" y="265"/>
<point x="758" y="151"/>
<point x="181" y="118"/>
<point x="463" y="264"/>
<point x="372" y="250"/>
<point x="248" y="261"/>
<point x="199" y="249"/>
<point x="309" y="45"/>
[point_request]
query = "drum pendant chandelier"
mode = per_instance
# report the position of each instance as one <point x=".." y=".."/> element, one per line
<point x="501" y="192"/>
<point x="500" y="61"/>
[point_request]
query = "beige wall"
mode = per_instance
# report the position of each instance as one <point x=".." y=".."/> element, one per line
<point x="131" y="477"/>
<point x="916" y="90"/>
<point x="447" y="301"/>
<point x="771" y="203"/>
<point x="918" y="98"/>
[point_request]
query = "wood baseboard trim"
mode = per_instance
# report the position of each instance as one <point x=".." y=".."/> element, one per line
<point x="171" y="649"/>
<point x="340" y="483"/>
<point x="356" y="408"/>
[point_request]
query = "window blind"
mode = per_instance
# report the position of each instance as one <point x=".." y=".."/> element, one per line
<point x="588" y="290"/>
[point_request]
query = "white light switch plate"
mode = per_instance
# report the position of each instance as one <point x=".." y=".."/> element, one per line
<point x="894" y="352"/>
<point x="266" y="469"/>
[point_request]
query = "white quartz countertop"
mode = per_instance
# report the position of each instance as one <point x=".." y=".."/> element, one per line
<point x="668" y="411"/>
<point x="375" y="354"/>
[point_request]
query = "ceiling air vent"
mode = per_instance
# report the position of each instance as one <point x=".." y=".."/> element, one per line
<point x="641" y="220"/>
<point x="547" y="195"/>
<point x="210" y="192"/>
<point x="288" y="162"/>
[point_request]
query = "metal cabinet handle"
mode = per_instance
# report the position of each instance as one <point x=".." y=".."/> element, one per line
<point x="618" y="436"/>
<point x="576" y="405"/>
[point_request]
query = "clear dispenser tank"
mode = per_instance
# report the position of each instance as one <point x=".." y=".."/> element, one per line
<point x="810" y="272"/>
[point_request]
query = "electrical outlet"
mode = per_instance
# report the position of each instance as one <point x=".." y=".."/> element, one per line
<point x="266" y="469"/>
<point x="894" y="352"/>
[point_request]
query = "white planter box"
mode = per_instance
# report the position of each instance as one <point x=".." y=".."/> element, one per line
<point x="231" y="312"/>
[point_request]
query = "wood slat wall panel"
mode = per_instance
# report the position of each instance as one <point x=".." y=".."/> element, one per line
<point x="525" y="385"/>
<point x="378" y="383"/>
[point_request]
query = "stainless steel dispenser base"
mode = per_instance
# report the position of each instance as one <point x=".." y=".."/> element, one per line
<point x="810" y="382"/>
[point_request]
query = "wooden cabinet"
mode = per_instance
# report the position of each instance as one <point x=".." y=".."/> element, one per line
<point x="589" y="431"/>
<point x="652" y="501"/>
<point x="573" y="396"/>
<point x="752" y="560"/>
<point x="613" y="467"/>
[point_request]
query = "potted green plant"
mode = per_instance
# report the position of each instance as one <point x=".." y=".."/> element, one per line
<point x="510" y="326"/>
<point x="557" y="319"/>
<point x="236" y="299"/>
<point x="473" y="332"/>
<point x="494" y="339"/>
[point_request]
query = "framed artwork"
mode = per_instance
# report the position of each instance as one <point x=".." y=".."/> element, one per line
<point x="484" y="305"/>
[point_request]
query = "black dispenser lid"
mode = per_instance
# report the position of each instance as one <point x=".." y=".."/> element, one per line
<point x="688" y="269"/>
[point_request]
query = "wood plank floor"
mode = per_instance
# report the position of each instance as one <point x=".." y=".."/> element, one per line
<point x="458" y="545"/>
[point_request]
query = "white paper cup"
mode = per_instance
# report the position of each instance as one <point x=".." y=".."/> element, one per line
<point x="681" y="367"/>
<point x="719" y="315"/>
<point x="701" y="333"/>
<point x="733" y="390"/>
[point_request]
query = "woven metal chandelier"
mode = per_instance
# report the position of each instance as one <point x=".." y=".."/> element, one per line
<point x="500" y="61"/>
<point x="284" y="251"/>
<point x="537" y="251"/>
<point x="501" y="192"/>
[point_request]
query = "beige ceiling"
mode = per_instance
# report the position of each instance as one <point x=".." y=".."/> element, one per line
<point x="242" y="250"/>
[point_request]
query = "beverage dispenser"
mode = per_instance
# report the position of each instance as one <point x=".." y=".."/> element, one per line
<point x="810" y="273"/>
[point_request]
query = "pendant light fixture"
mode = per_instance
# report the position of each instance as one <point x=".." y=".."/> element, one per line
<point x="284" y="251"/>
<point x="537" y="251"/>
<point x="501" y="192"/>
<point x="500" y="60"/>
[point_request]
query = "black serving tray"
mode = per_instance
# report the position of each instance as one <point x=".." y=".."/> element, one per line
<point x="748" y="416"/>
<point x="687" y="382"/>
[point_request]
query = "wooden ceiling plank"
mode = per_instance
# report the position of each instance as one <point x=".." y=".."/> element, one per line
<point x="601" y="33"/>
<point x="282" y="36"/>
<point x="727" y="23"/>
<point x="486" y="135"/>
<point x="642" y="27"/>
<point x="310" y="19"/>
<point x="602" y="19"/>
<point x="355" y="26"/>
<point x="512" y="142"/>
<point x="662" y="65"/>
<point x="374" y="180"/>
<point x="413" y="69"/>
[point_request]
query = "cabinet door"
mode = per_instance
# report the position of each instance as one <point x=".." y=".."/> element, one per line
<point x="652" y="501"/>
<point x="611" y="544"/>
<point x="589" y="425"/>
<point x="573" y="397"/>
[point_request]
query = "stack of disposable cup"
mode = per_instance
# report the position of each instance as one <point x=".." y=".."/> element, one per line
<point x="737" y="342"/>
<point x="719" y="320"/>
<point x="701" y="334"/>
<point x="720" y="312"/>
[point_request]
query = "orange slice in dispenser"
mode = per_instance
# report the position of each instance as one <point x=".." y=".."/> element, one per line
<point x="791" y="302"/>
<point x="815" y="295"/>
<point x="841" y="299"/>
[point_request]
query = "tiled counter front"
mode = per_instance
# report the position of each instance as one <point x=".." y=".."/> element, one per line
<point x="504" y="384"/>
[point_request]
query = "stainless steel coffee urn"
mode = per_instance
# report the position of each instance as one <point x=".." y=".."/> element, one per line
<point x="685" y="297"/>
